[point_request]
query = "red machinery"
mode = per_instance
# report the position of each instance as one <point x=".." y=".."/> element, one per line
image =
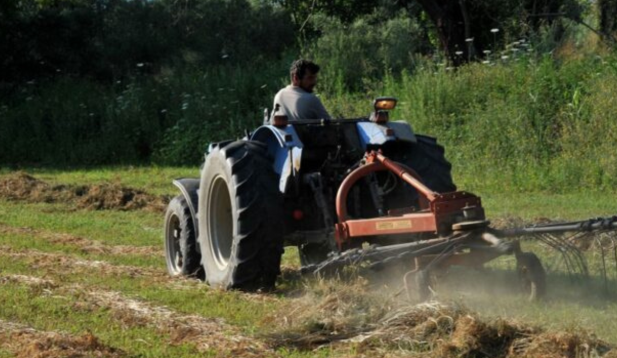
<point x="459" y="234"/>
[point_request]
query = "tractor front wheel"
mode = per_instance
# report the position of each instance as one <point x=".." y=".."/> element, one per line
<point x="240" y="217"/>
<point x="181" y="253"/>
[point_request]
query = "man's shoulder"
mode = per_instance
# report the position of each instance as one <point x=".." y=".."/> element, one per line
<point x="296" y="90"/>
<point x="286" y="89"/>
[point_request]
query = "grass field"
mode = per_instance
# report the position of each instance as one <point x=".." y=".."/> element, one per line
<point x="93" y="283"/>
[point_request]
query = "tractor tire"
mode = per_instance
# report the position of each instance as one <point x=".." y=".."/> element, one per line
<point x="531" y="275"/>
<point x="427" y="158"/>
<point x="181" y="254"/>
<point x="240" y="217"/>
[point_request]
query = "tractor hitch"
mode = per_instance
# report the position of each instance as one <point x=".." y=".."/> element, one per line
<point x="439" y="213"/>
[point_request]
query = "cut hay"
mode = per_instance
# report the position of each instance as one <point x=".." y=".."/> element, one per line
<point x="28" y="280"/>
<point x="21" y="186"/>
<point x="60" y="264"/>
<point x="206" y="334"/>
<point x="26" y="342"/>
<point x="85" y="245"/>
<point x="375" y="323"/>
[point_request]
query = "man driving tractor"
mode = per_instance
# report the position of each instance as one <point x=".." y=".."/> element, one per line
<point x="297" y="101"/>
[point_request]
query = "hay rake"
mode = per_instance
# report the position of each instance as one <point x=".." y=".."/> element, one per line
<point x="450" y="229"/>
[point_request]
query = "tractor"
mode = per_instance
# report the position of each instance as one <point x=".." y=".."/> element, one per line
<point x="343" y="191"/>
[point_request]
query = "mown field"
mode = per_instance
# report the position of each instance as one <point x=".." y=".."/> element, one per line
<point x="82" y="274"/>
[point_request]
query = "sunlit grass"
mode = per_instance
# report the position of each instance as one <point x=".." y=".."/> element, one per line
<point x="491" y="292"/>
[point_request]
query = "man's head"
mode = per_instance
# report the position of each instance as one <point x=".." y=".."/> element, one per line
<point x="304" y="74"/>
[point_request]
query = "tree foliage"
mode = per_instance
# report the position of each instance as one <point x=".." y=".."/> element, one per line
<point x="108" y="39"/>
<point x="104" y="81"/>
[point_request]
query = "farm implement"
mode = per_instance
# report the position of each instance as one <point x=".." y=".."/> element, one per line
<point x="364" y="191"/>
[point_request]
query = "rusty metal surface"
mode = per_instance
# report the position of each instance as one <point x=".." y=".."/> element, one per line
<point x="440" y="213"/>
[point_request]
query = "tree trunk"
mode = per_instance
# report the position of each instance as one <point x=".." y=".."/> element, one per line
<point x="453" y="28"/>
<point x="608" y="17"/>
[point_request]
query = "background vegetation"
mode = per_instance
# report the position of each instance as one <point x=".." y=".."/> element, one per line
<point x="104" y="96"/>
<point x="91" y="82"/>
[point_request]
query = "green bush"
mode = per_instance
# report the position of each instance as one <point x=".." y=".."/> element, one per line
<point x="170" y="118"/>
<point x="531" y="123"/>
<point x="364" y="49"/>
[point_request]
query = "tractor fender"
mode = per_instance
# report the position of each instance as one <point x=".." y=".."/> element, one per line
<point x="377" y="134"/>
<point x="189" y="188"/>
<point x="285" y="147"/>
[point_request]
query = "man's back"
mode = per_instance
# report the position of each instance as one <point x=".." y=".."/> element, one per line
<point x="297" y="103"/>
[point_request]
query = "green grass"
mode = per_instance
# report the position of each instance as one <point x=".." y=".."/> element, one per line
<point x="156" y="180"/>
<point x="534" y="205"/>
<point x="28" y="306"/>
<point x="23" y="242"/>
<point x="570" y="306"/>
<point x="137" y="228"/>
<point x="532" y="123"/>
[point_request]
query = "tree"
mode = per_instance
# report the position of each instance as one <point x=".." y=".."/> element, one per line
<point x="608" y="18"/>
<point x="452" y="25"/>
<point x="465" y="28"/>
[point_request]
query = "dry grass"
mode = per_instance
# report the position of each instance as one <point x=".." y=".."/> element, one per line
<point x="29" y="281"/>
<point x="85" y="245"/>
<point x="57" y="263"/>
<point x="206" y="334"/>
<point x="378" y="323"/>
<point x="24" y="187"/>
<point x="26" y="342"/>
<point x="357" y="316"/>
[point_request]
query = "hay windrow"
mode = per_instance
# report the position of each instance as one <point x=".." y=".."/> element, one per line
<point x="377" y="323"/>
<point x="21" y="186"/>
<point x="206" y="334"/>
<point x="85" y="245"/>
<point x="61" y="264"/>
<point x="26" y="342"/>
<point x="28" y="280"/>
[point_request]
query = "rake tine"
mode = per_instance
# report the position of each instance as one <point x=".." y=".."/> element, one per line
<point x="556" y="248"/>
<point x="562" y="250"/>
<point x="575" y="262"/>
<point x="578" y="255"/>
<point x="603" y="266"/>
<point x="614" y="254"/>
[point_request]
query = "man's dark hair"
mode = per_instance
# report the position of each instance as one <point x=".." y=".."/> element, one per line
<point x="299" y="68"/>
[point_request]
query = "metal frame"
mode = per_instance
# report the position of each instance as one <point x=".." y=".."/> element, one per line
<point x="439" y="214"/>
<point x="461" y="234"/>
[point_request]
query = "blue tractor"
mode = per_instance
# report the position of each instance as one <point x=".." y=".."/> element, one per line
<point x="278" y="187"/>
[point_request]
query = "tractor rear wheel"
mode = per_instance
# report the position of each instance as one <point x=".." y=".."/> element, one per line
<point x="240" y="217"/>
<point x="181" y="253"/>
<point x="531" y="275"/>
<point x="427" y="158"/>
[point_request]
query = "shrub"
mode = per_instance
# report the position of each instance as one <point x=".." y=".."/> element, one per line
<point x="365" y="49"/>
